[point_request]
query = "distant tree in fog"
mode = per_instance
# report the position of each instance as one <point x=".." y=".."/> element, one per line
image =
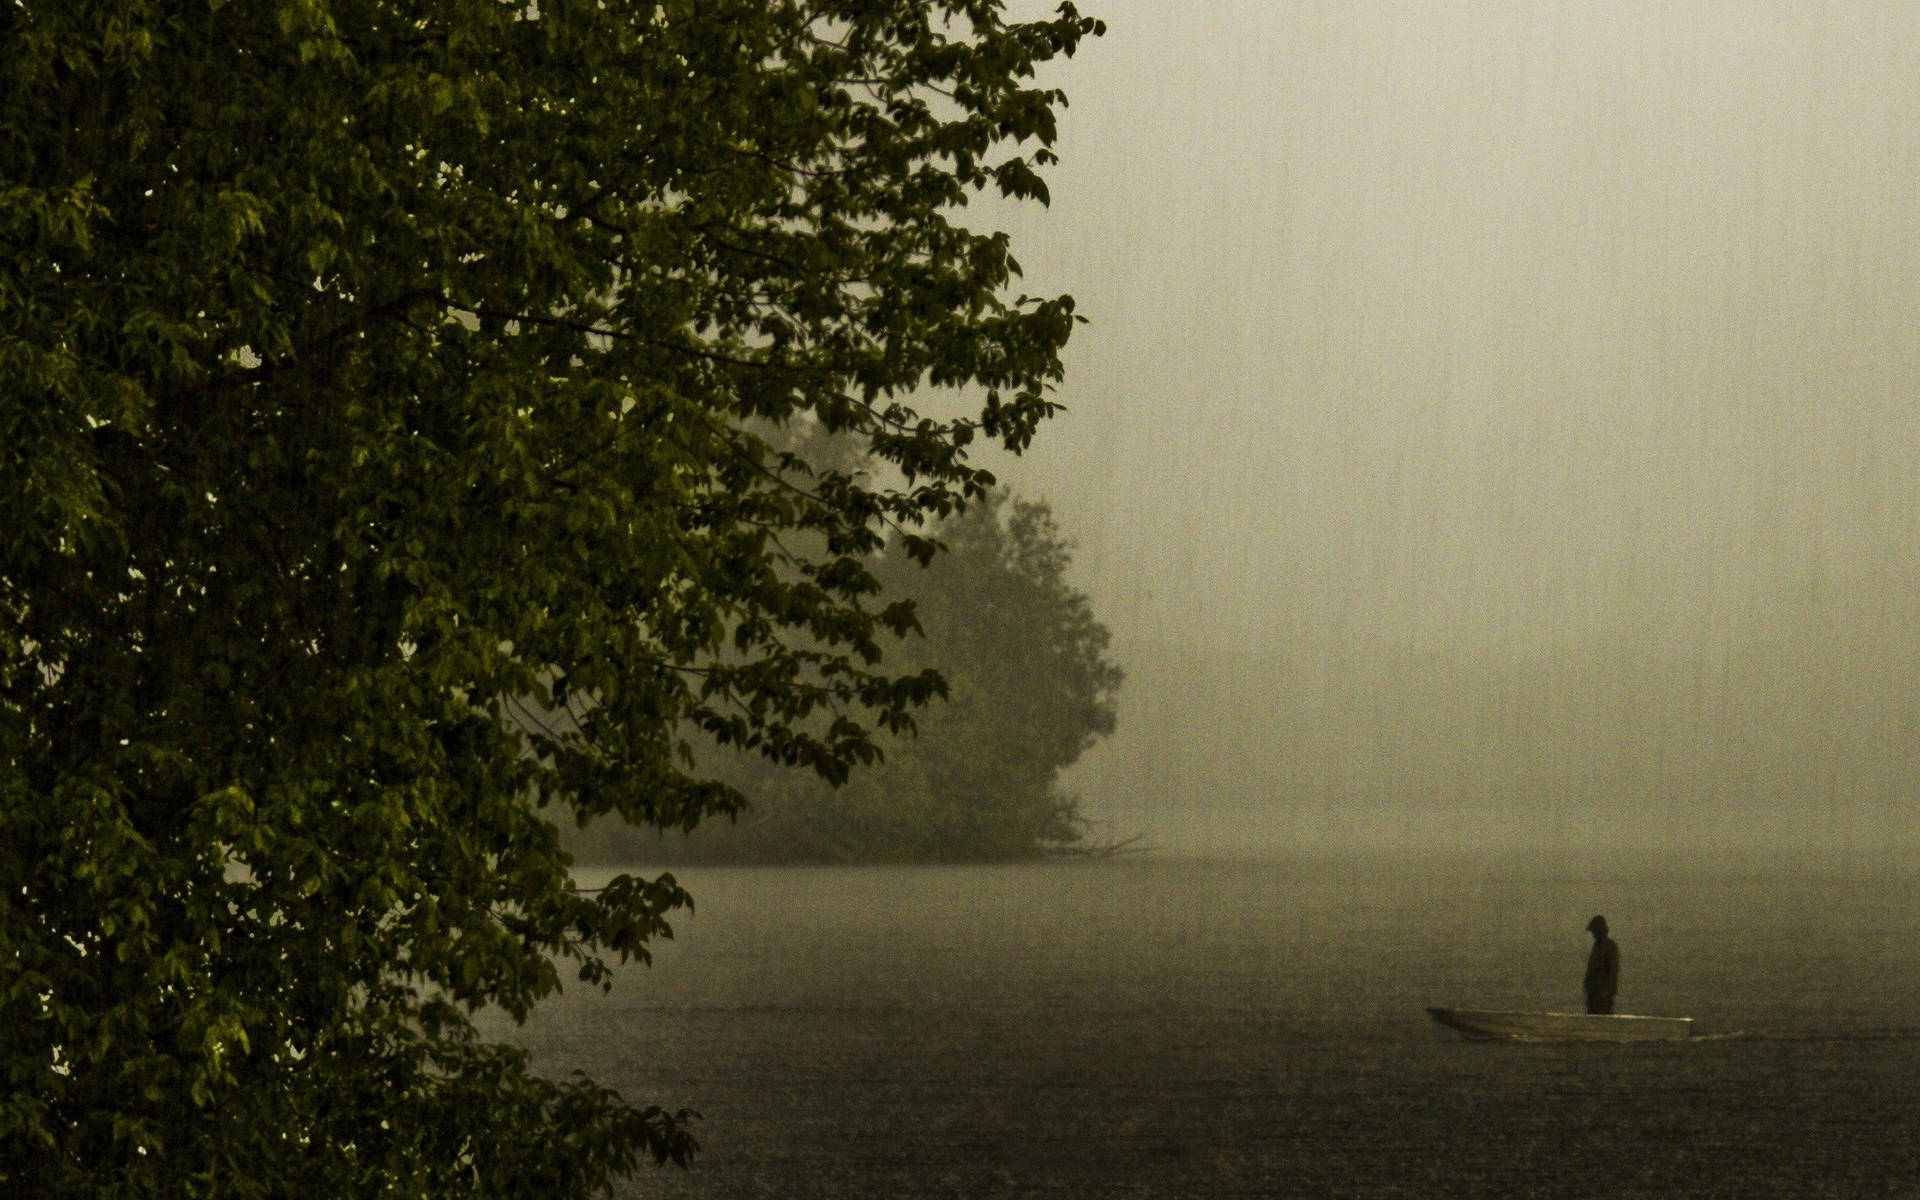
<point x="1028" y="689"/>
<point x="1030" y="686"/>
<point x="378" y="483"/>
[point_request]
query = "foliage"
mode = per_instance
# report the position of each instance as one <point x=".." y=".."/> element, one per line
<point x="1030" y="686"/>
<point x="379" y="373"/>
<point x="1029" y="689"/>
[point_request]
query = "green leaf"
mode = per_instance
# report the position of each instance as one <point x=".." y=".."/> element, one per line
<point x="395" y="459"/>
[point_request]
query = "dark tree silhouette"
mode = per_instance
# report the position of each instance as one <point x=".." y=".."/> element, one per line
<point x="378" y="484"/>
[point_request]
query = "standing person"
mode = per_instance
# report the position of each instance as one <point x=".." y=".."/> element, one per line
<point x="1603" y="968"/>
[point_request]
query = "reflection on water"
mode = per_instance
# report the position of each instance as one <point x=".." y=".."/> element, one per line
<point x="1206" y="1028"/>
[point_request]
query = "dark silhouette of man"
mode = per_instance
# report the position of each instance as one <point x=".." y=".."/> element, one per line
<point x="1603" y="968"/>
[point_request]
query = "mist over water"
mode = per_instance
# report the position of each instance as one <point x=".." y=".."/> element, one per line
<point x="1172" y="1028"/>
<point x="1497" y="422"/>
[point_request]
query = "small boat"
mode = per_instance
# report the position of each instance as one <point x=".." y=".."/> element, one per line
<point x="1484" y="1024"/>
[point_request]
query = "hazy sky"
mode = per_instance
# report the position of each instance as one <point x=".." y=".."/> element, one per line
<point x="1459" y="350"/>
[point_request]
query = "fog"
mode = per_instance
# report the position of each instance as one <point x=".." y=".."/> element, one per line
<point x="1496" y="421"/>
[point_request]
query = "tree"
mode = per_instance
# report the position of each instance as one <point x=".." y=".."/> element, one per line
<point x="379" y="485"/>
<point x="1029" y="689"/>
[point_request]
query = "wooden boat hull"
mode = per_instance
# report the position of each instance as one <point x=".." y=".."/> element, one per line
<point x="1490" y="1024"/>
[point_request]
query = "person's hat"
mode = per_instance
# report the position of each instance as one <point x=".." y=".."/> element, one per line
<point x="1598" y="923"/>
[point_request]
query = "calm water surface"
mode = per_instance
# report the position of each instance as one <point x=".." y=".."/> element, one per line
<point x="1183" y="1028"/>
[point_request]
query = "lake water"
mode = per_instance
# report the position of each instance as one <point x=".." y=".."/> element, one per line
<point x="1186" y="1028"/>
